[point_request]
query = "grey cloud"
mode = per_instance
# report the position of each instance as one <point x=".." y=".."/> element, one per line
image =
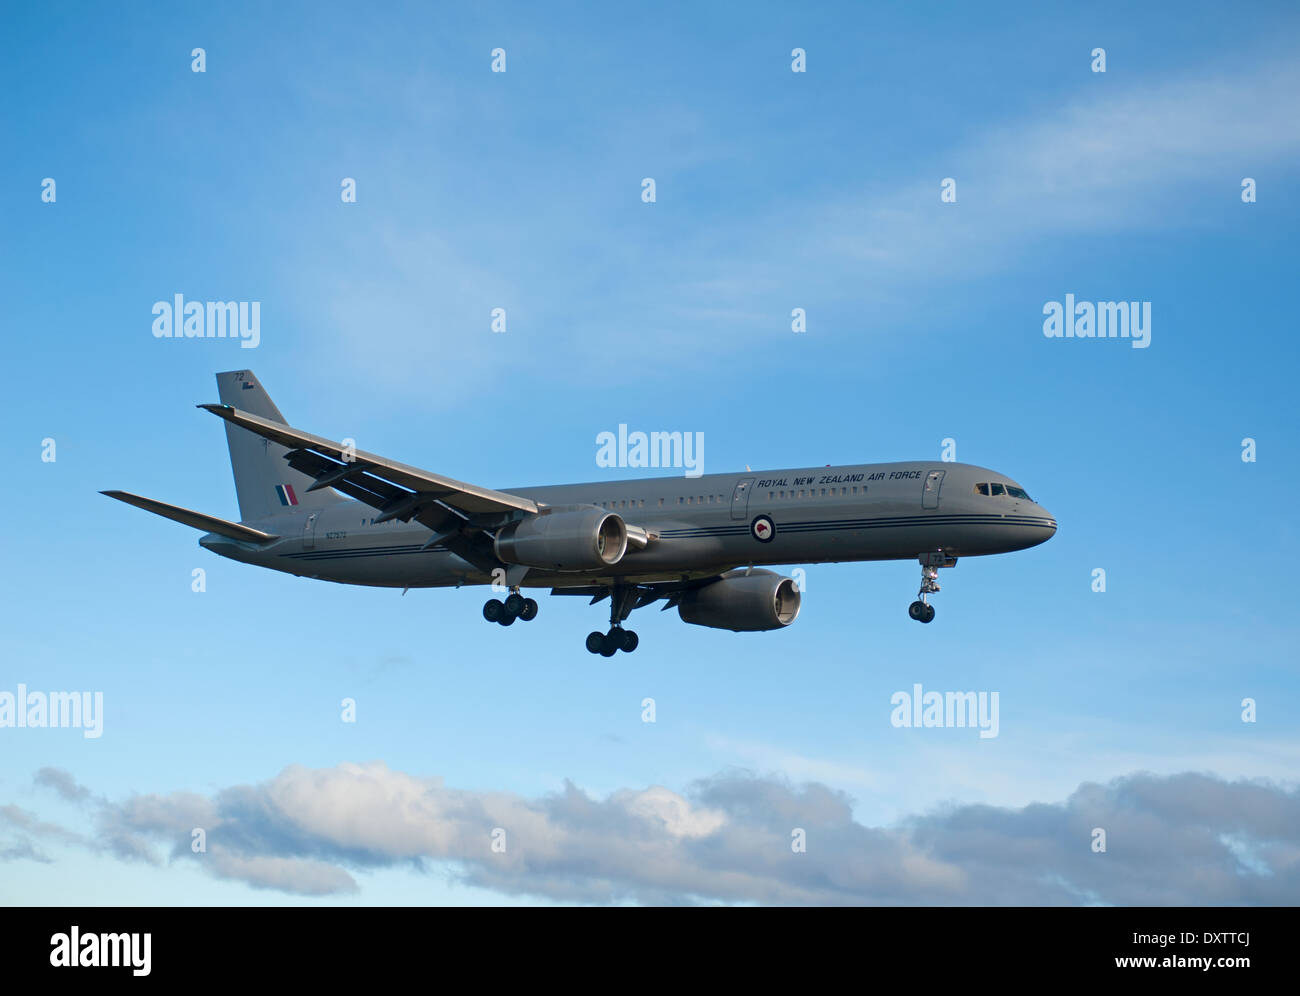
<point x="62" y="783"/>
<point x="1186" y="839"/>
<point x="20" y="828"/>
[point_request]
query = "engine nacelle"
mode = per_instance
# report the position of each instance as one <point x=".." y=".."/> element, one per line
<point x="744" y="602"/>
<point x="583" y="539"/>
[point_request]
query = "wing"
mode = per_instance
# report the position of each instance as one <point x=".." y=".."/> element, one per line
<point x="647" y="593"/>
<point x="458" y="513"/>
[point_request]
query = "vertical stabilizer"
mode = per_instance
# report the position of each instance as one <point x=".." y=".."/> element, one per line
<point x="264" y="481"/>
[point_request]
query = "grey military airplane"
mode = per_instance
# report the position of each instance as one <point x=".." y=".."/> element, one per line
<point x="322" y="509"/>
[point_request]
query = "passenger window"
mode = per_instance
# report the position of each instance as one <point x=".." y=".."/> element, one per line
<point x="982" y="489"/>
<point x="998" y="490"/>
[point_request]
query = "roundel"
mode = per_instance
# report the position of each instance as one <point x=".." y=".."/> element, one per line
<point x="763" y="528"/>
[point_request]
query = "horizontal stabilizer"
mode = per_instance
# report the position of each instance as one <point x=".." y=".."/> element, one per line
<point x="198" y="520"/>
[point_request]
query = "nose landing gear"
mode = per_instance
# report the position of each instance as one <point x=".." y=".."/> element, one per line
<point x="921" y="610"/>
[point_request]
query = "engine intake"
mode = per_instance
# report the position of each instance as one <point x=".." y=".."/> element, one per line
<point x="583" y="539"/>
<point x="743" y="602"/>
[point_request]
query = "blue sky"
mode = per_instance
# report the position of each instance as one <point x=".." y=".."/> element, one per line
<point x="775" y="190"/>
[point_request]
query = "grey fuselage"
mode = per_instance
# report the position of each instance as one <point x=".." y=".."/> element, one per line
<point x="700" y="526"/>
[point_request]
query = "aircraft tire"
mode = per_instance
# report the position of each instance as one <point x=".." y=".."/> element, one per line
<point x="529" y="612"/>
<point x="493" y="609"/>
<point x="595" y="641"/>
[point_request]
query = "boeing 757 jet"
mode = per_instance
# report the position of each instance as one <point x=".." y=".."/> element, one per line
<point x="320" y="509"/>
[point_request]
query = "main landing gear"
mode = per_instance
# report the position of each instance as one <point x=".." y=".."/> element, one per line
<point x="608" y="644"/>
<point x="622" y="600"/>
<point x="921" y="610"/>
<point x="514" y="607"/>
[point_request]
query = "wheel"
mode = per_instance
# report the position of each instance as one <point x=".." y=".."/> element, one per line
<point x="630" y="641"/>
<point x="609" y="643"/>
<point x="506" y="618"/>
<point x="595" y="641"/>
<point x="515" y="603"/>
<point x="529" y="612"/>
<point x="917" y="611"/>
<point x="929" y="614"/>
<point x="493" y="609"/>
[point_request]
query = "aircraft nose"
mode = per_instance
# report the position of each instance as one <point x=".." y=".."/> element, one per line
<point x="1049" y="520"/>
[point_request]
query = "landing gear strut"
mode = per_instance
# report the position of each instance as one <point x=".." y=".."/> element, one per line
<point x="623" y="599"/>
<point x="514" y="607"/>
<point x="921" y="610"/>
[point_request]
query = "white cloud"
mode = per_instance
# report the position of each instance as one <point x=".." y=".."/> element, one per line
<point x="1177" y="839"/>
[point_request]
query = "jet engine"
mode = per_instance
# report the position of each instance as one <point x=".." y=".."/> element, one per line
<point x="581" y="539"/>
<point x="743" y="601"/>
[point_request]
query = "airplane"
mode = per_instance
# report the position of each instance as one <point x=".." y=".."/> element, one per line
<point x="321" y="509"/>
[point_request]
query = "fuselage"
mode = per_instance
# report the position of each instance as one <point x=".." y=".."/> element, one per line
<point x="699" y="526"/>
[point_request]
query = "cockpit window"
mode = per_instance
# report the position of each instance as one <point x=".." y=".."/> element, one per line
<point x="1002" y="491"/>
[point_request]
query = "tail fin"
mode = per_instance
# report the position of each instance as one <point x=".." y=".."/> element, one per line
<point x="264" y="481"/>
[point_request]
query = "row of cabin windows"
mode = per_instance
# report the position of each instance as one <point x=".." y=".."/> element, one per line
<point x="813" y="493"/>
<point x="722" y="499"/>
<point x="996" y="490"/>
<point x="640" y="503"/>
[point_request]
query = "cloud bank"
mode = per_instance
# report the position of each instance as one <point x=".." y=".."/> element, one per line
<point x="1187" y="839"/>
